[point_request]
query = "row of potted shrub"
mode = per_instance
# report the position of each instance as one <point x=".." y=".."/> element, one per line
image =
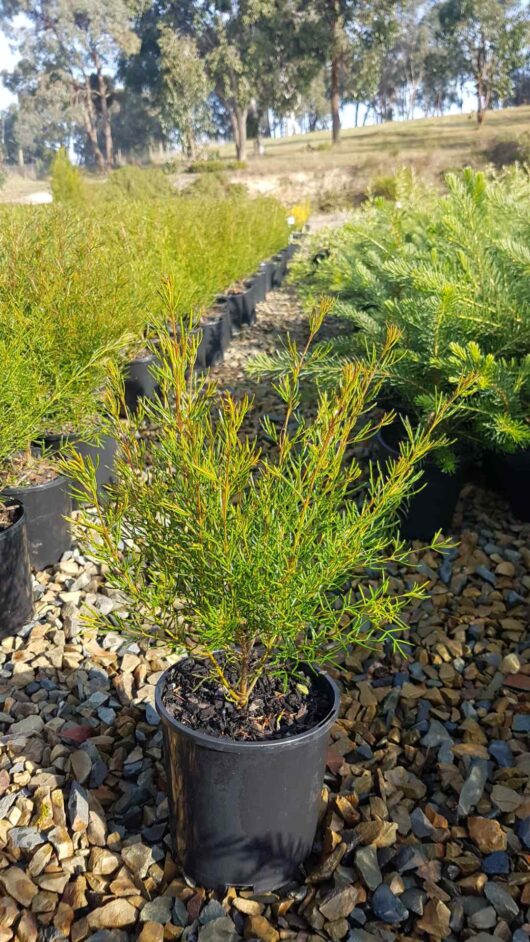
<point x="36" y="529"/>
<point x="450" y="272"/>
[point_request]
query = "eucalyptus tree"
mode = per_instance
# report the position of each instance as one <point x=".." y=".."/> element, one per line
<point x="186" y="88"/>
<point x="488" y="40"/>
<point x="357" y="32"/>
<point x="67" y="48"/>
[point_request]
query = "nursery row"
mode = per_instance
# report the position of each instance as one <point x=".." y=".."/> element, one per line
<point x="65" y="340"/>
<point x="450" y="274"/>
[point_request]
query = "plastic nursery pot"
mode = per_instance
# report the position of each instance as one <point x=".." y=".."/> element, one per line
<point x="260" y="284"/>
<point x="243" y="305"/>
<point x="250" y="301"/>
<point x="280" y="268"/>
<point x="511" y="473"/>
<point x="16" y="589"/>
<point x="102" y="456"/>
<point x="221" y="309"/>
<point x="46" y="507"/>
<point x="268" y="269"/>
<point x="244" y="813"/>
<point x="139" y="382"/>
<point x="432" y="508"/>
<point x="211" y="349"/>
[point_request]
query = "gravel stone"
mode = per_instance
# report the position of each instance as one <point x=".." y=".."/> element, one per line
<point x="388" y="907"/>
<point x="425" y="816"/>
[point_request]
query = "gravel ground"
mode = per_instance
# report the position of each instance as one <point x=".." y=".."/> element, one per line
<point x="425" y="826"/>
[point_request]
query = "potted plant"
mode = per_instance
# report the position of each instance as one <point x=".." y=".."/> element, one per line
<point x="18" y="416"/>
<point x="243" y="561"/>
<point x="27" y="477"/>
<point x="139" y="379"/>
<point x="76" y="414"/>
<point x="449" y="271"/>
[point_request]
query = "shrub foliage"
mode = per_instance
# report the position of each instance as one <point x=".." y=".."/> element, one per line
<point x="452" y="273"/>
<point x="221" y="547"/>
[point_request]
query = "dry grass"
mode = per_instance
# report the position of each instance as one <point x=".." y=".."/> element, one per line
<point x="333" y="177"/>
<point x="303" y="166"/>
<point x="21" y="189"/>
<point x="456" y="138"/>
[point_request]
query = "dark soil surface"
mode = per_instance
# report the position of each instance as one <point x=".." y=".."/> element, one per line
<point x="31" y="470"/>
<point x="8" y="516"/>
<point x="198" y="700"/>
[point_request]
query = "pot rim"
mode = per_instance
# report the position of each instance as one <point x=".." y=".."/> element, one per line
<point x="224" y="744"/>
<point x="19" y="522"/>
<point x="380" y="438"/>
<point x="58" y="481"/>
<point x="426" y="462"/>
<point x="144" y="358"/>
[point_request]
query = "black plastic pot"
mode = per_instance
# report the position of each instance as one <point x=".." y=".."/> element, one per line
<point x="268" y="269"/>
<point x="249" y="302"/>
<point x="511" y="474"/>
<point x="260" y="284"/>
<point x="16" y="589"/>
<point x="243" y="305"/>
<point x="432" y="508"/>
<point x="211" y="349"/>
<point x="46" y="507"/>
<point x="222" y="309"/>
<point x="139" y="381"/>
<point x="291" y="250"/>
<point x="280" y="268"/>
<point x="244" y="813"/>
<point x="102" y="455"/>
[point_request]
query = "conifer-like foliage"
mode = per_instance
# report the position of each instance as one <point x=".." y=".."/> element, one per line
<point x="452" y="273"/>
<point x="272" y="559"/>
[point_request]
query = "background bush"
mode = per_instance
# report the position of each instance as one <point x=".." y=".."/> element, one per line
<point x="80" y="280"/>
<point x="452" y="273"/>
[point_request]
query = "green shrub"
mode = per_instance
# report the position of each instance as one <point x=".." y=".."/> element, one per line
<point x="509" y="150"/>
<point x="385" y="187"/>
<point x="81" y="283"/>
<point x="137" y="183"/>
<point x="67" y="182"/>
<point x="222" y="548"/>
<point x="216" y="166"/>
<point x="452" y="273"/>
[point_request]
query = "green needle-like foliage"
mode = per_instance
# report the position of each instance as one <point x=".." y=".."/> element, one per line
<point x="452" y="272"/>
<point x="269" y="558"/>
<point x="80" y="281"/>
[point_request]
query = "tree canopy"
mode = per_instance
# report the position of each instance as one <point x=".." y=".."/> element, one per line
<point x="119" y="79"/>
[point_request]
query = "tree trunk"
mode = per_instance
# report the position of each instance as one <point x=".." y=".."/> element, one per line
<point x="238" y="117"/>
<point x="89" y="119"/>
<point x="335" y="70"/>
<point x="481" y="111"/>
<point x="335" y="99"/>
<point x="105" y="117"/>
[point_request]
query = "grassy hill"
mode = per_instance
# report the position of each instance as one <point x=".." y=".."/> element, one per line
<point x="306" y="166"/>
<point x="341" y="174"/>
<point x="457" y="138"/>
